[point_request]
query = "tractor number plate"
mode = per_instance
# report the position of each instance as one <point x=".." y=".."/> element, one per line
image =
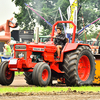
<point x="38" y="49"/>
<point x="13" y="61"/>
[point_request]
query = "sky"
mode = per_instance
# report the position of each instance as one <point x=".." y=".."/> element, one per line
<point x="7" y="8"/>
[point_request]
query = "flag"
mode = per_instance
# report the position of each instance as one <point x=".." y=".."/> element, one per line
<point x="72" y="15"/>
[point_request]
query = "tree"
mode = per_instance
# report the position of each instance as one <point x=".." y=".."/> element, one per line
<point x="90" y="11"/>
<point x="23" y="17"/>
<point x="51" y="9"/>
<point x="45" y="32"/>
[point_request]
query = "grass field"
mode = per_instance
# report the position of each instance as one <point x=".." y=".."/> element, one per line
<point x="5" y="89"/>
<point x="18" y="73"/>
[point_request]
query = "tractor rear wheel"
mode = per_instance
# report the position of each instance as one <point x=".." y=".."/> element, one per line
<point x="28" y="78"/>
<point x="6" y="76"/>
<point x="79" y="67"/>
<point x="42" y="74"/>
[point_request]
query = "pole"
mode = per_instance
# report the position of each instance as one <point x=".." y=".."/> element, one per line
<point x="37" y="35"/>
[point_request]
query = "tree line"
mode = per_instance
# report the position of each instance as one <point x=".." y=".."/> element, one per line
<point x="48" y="9"/>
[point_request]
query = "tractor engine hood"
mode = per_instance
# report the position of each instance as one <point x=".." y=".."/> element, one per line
<point x="40" y="47"/>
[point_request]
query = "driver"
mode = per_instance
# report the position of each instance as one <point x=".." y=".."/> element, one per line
<point x="60" y="41"/>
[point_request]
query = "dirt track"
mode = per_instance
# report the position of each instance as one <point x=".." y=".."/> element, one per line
<point x="52" y="97"/>
<point x="19" y="81"/>
<point x="68" y="95"/>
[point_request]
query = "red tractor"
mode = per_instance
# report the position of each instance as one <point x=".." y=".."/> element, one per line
<point x="75" y="67"/>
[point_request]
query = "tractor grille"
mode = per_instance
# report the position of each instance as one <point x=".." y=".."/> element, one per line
<point x="20" y="47"/>
<point x="24" y="53"/>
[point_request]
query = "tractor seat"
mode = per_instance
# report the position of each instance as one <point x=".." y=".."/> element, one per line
<point x="67" y="40"/>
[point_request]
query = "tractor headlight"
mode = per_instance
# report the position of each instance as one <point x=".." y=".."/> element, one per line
<point x="31" y="56"/>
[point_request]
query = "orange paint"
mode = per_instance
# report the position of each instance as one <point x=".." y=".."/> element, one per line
<point x="97" y="72"/>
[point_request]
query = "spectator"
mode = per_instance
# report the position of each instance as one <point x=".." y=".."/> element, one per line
<point x="77" y="41"/>
<point x="4" y="49"/>
<point x="25" y="42"/>
<point x="8" y="49"/>
<point x="28" y="42"/>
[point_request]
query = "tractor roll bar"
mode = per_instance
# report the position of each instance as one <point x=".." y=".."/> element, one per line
<point x="74" y="30"/>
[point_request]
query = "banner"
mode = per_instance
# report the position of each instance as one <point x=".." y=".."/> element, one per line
<point x="72" y="15"/>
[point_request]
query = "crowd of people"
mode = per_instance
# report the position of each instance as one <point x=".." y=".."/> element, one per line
<point x="78" y="41"/>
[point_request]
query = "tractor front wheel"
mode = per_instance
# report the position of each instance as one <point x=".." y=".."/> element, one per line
<point x="0" y="67"/>
<point x="6" y="76"/>
<point x="42" y="74"/>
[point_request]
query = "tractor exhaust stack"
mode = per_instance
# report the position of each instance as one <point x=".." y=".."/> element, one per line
<point x="37" y="35"/>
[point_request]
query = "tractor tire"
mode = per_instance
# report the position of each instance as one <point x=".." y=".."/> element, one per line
<point x="28" y="78"/>
<point x="50" y="83"/>
<point x="34" y="77"/>
<point x="6" y="76"/>
<point x="79" y="67"/>
<point x="42" y="74"/>
<point x="0" y="67"/>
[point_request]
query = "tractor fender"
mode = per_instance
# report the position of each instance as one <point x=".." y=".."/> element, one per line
<point x="70" y="47"/>
<point x="73" y="46"/>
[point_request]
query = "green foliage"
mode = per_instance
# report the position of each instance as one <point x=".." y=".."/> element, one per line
<point x="89" y="36"/>
<point x="90" y="11"/>
<point x="23" y="18"/>
<point x="45" y="32"/>
<point x="93" y="35"/>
